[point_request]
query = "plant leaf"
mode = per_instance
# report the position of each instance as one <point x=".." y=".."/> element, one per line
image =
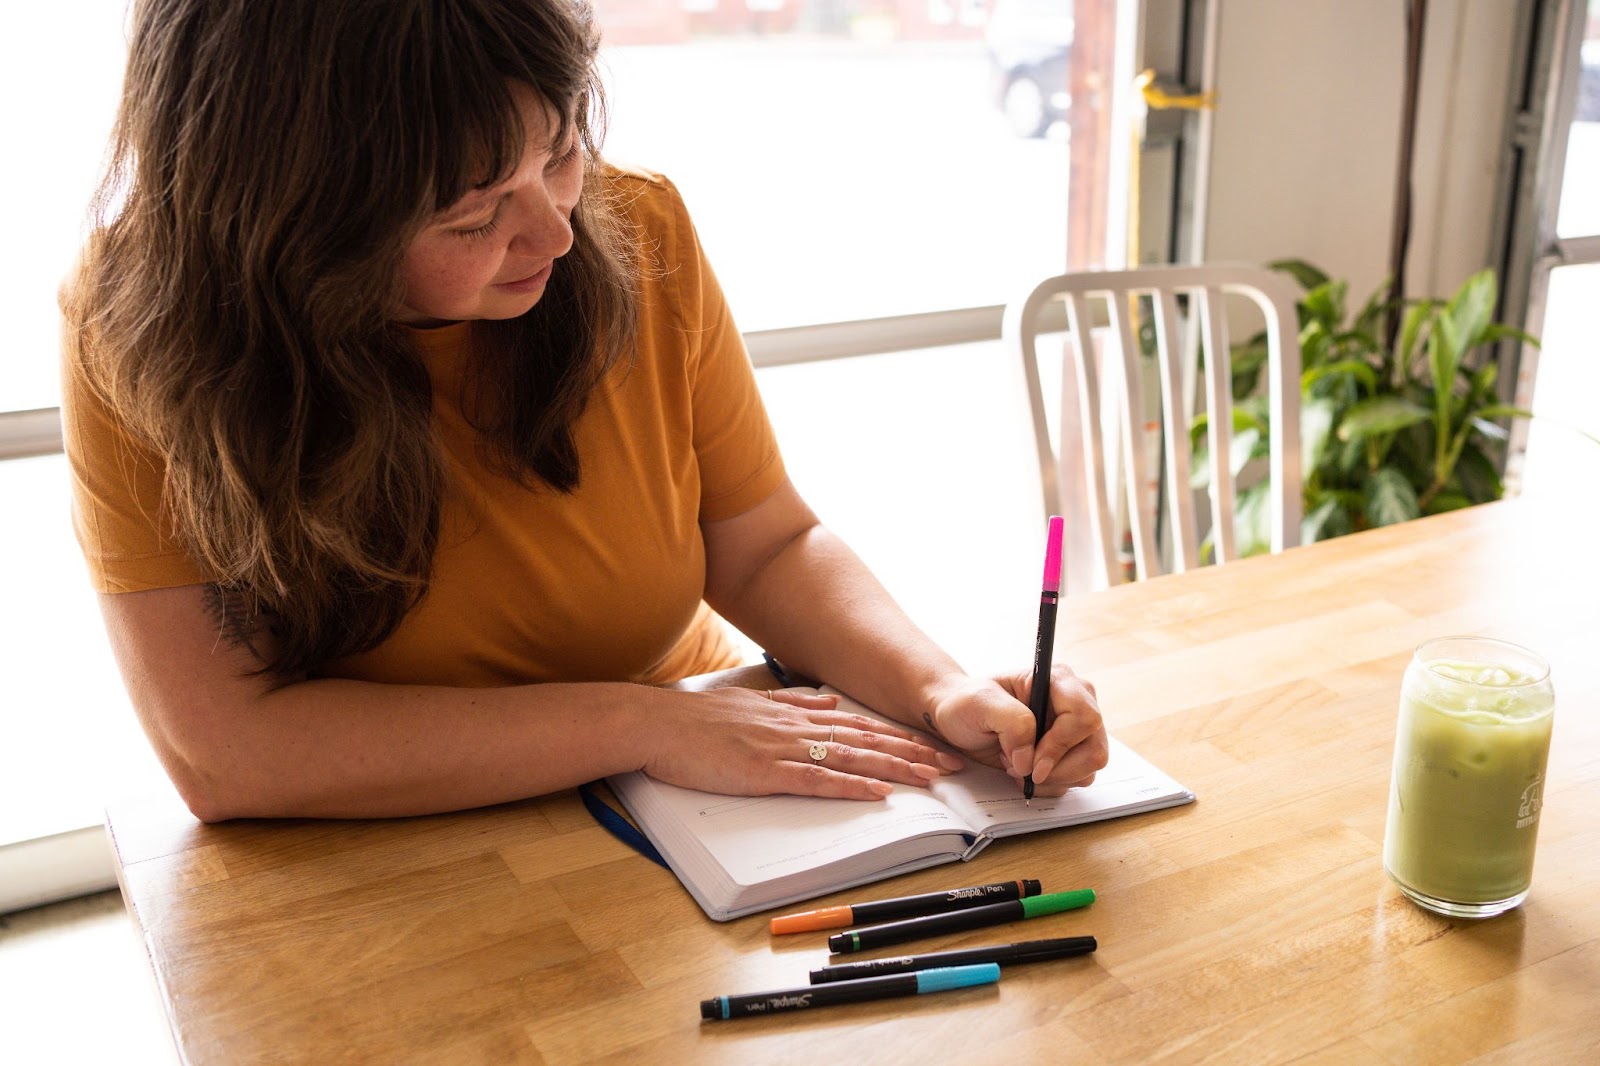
<point x="1316" y="424"/>
<point x="1390" y="498"/>
<point x="1447" y="501"/>
<point x="1242" y="417"/>
<point x="1326" y="304"/>
<point x="1318" y="525"/>
<point x="1501" y="410"/>
<point x="1258" y="409"/>
<point x="1244" y="365"/>
<point x="1492" y="430"/>
<point x="1483" y="382"/>
<point x="1355" y="368"/>
<point x="1417" y="315"/>
<point x="1242" y="448"/>
<point x="1367" y="319"/>
<point x="1380" y="414"/>
<point x="1506" y="411"/>
<point x="1350" y="458"/>
<point x="1470" y="309"/>
<point x="1495" y="331"/>
<point x="1444" y="357"/>
<point x="1477" y="475"/>
<point x="1362" y="340"/>
<point x="1252" y="514"/>
<point x="1307" y="275"/>
<point x="1316" y="345"/>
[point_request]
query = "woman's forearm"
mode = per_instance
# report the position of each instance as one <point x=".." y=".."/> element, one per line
<point x="345" y="749"/>
<point x="239" y="746"/>
<point x="817" y="607"/>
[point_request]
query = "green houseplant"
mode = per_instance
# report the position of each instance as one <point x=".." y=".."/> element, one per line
<point x="1389" y="431"/>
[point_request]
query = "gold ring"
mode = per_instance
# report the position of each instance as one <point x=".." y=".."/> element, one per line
<point x="769" y="693"/>
<point x="818" y="751"/>
<point x="831" y="729"/>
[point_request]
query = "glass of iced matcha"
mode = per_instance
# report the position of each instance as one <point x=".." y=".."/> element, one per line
<point x="1469" y="763"/>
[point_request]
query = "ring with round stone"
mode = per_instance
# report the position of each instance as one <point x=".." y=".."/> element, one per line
<point x="819" y="748"/>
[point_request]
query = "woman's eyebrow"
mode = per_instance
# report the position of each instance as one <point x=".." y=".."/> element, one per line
<point x="471" y="203"/>
<point x="478" y="198"/>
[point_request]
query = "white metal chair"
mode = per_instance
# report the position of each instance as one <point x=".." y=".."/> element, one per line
<point x="1077" y="476"/>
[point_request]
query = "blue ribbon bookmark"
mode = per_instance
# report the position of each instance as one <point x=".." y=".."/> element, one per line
<point x="612" y="821"/>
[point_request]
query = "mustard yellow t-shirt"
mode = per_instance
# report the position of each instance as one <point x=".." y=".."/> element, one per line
<point x="528" y="585"/>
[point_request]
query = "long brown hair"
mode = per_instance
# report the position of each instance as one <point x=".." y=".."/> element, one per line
<point x="269" y="165"/>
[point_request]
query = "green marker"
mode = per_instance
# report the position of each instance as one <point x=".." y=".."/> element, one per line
<point x="877" y="936"/>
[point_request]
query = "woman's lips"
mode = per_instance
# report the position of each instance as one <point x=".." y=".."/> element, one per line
<point x="531" y="283"/>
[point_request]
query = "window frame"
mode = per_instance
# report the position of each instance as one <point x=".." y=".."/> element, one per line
<point x="1528" y="246"/>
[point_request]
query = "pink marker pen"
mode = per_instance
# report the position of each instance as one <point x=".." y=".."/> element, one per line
<point x="1044" y="643"/>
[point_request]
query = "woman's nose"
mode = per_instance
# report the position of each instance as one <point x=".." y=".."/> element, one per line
<point x="543" y="226"/>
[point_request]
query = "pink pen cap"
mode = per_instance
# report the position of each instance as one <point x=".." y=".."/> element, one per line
<point x="1052" y="555"/>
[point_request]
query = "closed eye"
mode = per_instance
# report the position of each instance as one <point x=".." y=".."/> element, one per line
<point x="479" y="232"/>
<point x="566" y="157"/>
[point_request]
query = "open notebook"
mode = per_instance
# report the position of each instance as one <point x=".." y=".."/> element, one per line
<point x="741" y="854"/>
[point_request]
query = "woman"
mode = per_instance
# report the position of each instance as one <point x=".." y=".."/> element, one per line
<point x="413" y="445"/>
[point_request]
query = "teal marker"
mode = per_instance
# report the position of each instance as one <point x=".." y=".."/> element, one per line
<point x="791" y="999"/>
<point x="877" y="936"/>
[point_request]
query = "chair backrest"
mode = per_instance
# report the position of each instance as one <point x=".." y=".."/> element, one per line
<point x="1078" y="478"/>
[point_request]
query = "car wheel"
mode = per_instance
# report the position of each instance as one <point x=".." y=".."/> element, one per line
<point x="1024" y="107"/>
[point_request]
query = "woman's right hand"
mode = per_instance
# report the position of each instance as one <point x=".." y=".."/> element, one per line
<point x="748" y="742"/>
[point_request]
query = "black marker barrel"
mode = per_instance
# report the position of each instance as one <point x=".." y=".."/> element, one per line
<point x="792" y="999"/>
<point x="889" y="910"/>
<point x="1065" y="947"/>
<point x="892" y="910"/>
<point x="877" y="936"/>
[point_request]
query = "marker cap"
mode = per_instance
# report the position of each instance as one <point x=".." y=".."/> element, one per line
<point x="1055" y="902"/>
<point x="807" y="921"/>
<point x="1052" y="555"/>
<point x="948" y="977"/>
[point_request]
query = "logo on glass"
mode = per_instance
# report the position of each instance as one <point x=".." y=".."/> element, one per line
<point x="1532" y="799"/>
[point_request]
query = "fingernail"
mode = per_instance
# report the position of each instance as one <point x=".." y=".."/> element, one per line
<point x="926" y="772"/>
<point x="880" y="788"/>
<point x="1022" y="760"/>
<point x="948" y="761"/>
<point x="1042" y="770"/>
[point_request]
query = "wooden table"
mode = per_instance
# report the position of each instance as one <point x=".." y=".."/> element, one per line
<point x="1253" y="926"/>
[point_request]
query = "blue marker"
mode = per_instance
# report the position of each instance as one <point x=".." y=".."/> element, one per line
<point x="909" y="984"/>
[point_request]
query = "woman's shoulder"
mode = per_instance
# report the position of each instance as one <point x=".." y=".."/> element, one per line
<point x="647" y="197"/>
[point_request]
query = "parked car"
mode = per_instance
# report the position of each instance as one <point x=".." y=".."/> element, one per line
<point x="1028" y="42"/>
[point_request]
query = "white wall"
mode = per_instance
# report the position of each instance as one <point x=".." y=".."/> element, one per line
<point x="1307" y="136"/>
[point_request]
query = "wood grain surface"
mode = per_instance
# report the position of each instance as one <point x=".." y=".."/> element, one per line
<point x="1255" y="925"/>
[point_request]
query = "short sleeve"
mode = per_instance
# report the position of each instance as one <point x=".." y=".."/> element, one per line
<point x="735" y="446"/>
<point x="126" y="534"/>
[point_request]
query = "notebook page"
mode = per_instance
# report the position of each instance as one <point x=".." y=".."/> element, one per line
<point x="762" y="838"/>
<point x="992" y="802"/>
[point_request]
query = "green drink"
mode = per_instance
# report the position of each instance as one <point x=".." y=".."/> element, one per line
<point x="1469" y="763"/>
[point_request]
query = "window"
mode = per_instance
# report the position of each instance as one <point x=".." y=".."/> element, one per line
<point x="70" y="738"/>
<point x="58" y="95"/>
<point x="844" y="161"/>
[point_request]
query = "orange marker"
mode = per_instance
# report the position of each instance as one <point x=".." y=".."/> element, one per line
<point x="890" y="910"/>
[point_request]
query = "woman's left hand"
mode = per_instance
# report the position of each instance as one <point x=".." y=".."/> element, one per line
<point x="990" y="721"/>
